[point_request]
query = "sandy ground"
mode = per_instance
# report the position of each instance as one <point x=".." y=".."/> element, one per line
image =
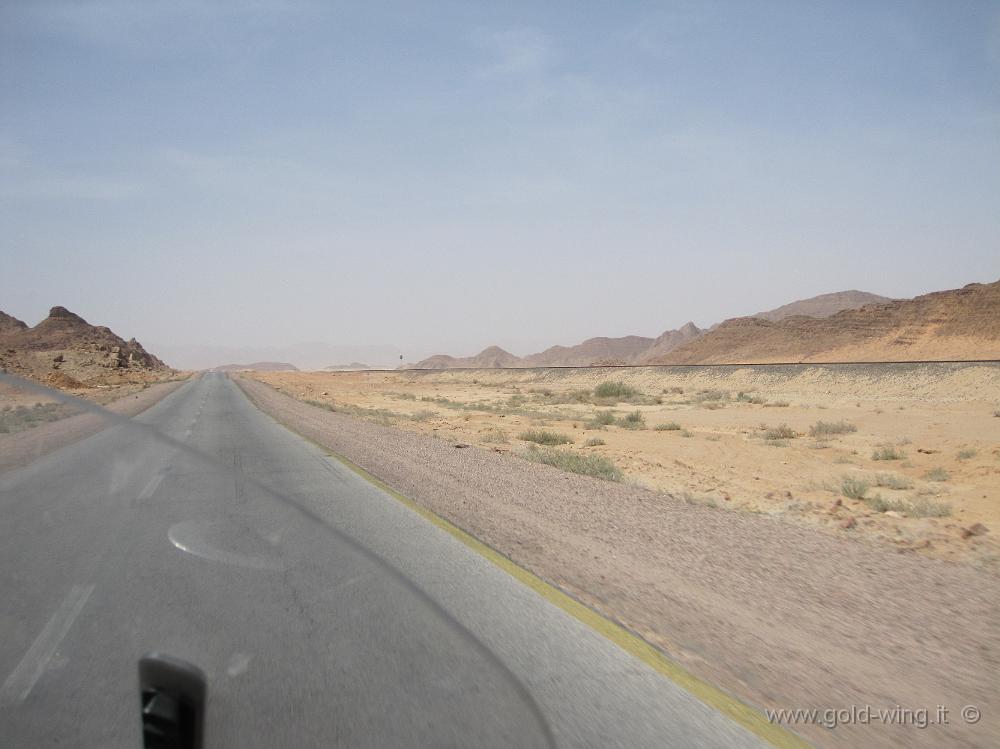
<point x="24" y="443"/>
<point x="940" y="419"/>
<point x="780" y="614"/>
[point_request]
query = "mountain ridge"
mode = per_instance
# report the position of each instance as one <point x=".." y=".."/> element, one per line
<point x="824" y="305"/>
<point x="632" y="349"/>
<point x="953" y="324"/>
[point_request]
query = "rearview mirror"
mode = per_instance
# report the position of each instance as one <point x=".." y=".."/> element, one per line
<point x="173" y="702"/>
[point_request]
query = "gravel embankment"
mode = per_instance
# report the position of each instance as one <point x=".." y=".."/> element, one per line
<point x="782" y="616"/>
<point x="21" y="448"/>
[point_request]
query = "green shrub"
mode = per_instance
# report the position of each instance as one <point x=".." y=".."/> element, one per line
<point x="825" y="428"/>
<point x="966" y="454"/>
<point x="853" y="488"/>
<point x="937" y="474"/>
<point x="670" y="426"/>
<point x="887" y="452"/>
<point x="594" y="442"/>
<point x="586" y="464"/>
<point x="783" y="432"/>
<point x="710" y="395"/>
<point x="542" y="437"/>
<point x="922" y="507"/>
<point x="892" y="481"/>
<point x="617" y="390"/>
<point x="603" y="418"/>
<point x="632" y="420"/>
<point x="422" y="415"/>
<point x="495" y="435"/>
<point x="879" y="504"/>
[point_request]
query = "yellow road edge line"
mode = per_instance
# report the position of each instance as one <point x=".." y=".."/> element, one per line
<point x="739" y="712"/>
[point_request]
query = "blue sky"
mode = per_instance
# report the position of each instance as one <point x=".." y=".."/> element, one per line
<point x="443" y="176"/>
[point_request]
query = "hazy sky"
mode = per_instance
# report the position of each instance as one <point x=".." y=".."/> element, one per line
<point x="444" y="175"/>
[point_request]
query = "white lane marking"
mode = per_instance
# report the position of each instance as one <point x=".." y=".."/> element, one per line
<point x="151" y="487"/>
<point x="22" y="679"/>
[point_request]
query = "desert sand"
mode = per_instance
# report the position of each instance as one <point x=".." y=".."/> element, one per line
<point x="748" y="439"/>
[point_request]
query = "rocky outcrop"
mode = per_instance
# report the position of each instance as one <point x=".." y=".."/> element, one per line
<point x="10" y="325"/>
<point x="67" y="351"/>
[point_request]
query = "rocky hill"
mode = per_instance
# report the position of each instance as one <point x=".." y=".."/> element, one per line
<point x="670" y="340"/>
<point x="823" y="305"/>
<point x="492" y="357"/>
<point x="625" y="350"/>
<point x="67" y="351"/>
<point x="959" y="324"/>
<point x="10" y="325"/>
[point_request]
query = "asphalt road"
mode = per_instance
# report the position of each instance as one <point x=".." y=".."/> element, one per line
<point x="324" y="612"/>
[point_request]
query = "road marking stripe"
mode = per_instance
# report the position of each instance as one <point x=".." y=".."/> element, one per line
<point x="750" y="718"/>
<point x="22" y="679"/>
<point x="151" y="487"/>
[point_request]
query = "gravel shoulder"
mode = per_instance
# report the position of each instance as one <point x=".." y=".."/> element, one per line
<point x="21" y="448"/>
<point x="780" y="615"/>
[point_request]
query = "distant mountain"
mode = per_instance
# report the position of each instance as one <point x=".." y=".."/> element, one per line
<point x="671" y="339"/>
<point x="492" y="357"/>
<point x="824" y="305"/>
<point x="347" y="367"/>
<point x="259" y="366"/>
<point x="67" y="351"/>
<point x="639" y="349"/>
<point x="593" y="349"/>
<point x="309" y="355"/>
<point x="958" y="324"/>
